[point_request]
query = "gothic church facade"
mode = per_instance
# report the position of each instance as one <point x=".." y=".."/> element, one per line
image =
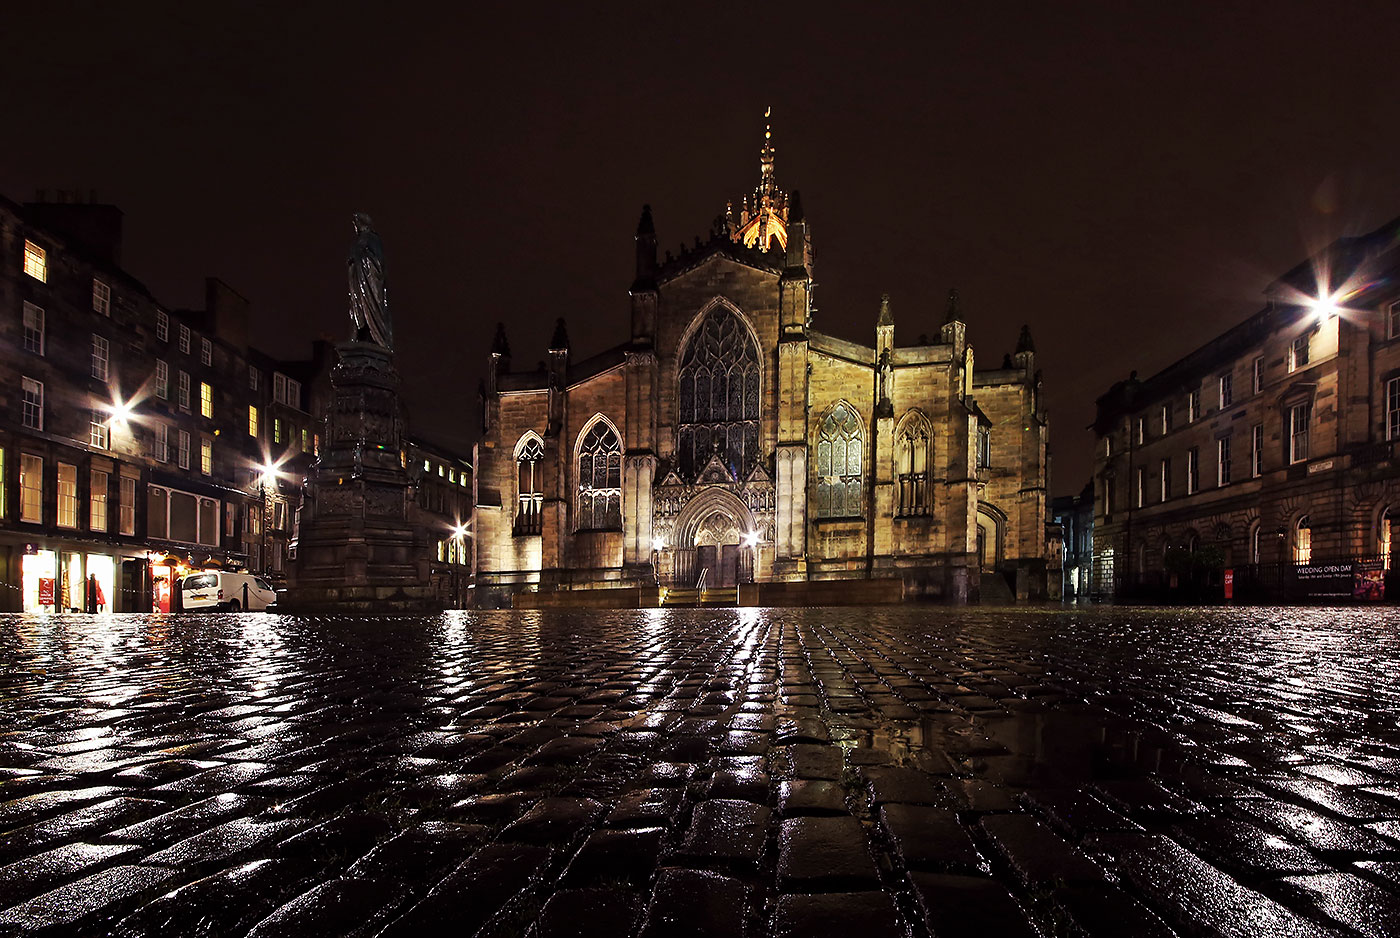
<point x="730" y="441"/>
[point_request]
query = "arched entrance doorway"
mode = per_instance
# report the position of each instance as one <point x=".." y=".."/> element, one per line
<point x="714" y="538"/>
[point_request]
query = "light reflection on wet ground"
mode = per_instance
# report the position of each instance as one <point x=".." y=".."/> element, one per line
<point x="908" y="770"/>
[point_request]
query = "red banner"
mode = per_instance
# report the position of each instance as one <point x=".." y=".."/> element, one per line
<point x="46" y="591"/>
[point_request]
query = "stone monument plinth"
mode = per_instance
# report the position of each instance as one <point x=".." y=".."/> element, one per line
<point x="357" y="549"/>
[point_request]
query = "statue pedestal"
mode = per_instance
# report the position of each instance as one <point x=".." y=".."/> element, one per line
<point x="357" y="551"/>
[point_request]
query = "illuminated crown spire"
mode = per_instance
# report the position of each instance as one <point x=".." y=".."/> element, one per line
<point x="767" y="221"/>
<point x="765" y="158"/>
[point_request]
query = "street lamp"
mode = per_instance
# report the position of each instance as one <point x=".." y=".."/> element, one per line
<point x="268" y="474"/>
<point x="459" y="534"/>
<point x="751" y="542"/>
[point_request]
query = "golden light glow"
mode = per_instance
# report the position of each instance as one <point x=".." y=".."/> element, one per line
<point x="36" y="262"/>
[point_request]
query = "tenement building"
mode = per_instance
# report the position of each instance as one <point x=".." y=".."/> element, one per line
<point x="727" y="440"/>
<point x="139" y="441"/>
<point x="1267" y="452"/>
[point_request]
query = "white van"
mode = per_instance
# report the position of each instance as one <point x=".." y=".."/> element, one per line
<point x="234" y="592"/>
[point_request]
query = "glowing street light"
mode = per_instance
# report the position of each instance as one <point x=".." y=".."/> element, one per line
<point x="751" y="539"/>
<point x="658" y="543"/>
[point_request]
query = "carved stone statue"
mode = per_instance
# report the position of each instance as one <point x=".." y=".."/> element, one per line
<point x="369" y="301"/>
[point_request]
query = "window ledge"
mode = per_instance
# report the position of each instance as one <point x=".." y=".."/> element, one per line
<point x="846" y="519"/>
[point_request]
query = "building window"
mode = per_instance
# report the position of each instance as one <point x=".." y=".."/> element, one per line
<point x="984" y="447"/>
<point x="184" y="339"/>
<point x="1298" y="351"/>
<point x="600" y="479"/>
<point x="100" y="352"/>
<point x="2" y="484"/>
<point x="162" y="380"/>
<point x="1222" y="461"/>
<point x="33" y="328"/>
<point x="174" y="515"/>
<point x="1108" y="447"/>
<point x="1392" y="409"/>
<point x="277" y="429"/>
<point x="911" y="461"/>
<point x="1256" y="451"/>
<point x="1166" y="419"/>
<point x="36" y="262"/>
<point x="1193" y="470"/>
<point x="97" y="500"/>
<point x="529" y="508"/>
<point x="128" y="507"/>
<point x="162" y="443"/>
<point x="1302" y="540"/>
<point x="1299" y="418"/>
<point x="1141" y="486"/>
<point x="1258" y="372"/>
<point x="206" y="457"/>
<point x="1193" y="406"/>
<point x="206" y="399"/>
<point x="1166" y="479"/>
<point x="67" y="495"/>
<point x="252" y="378"/>
<point x="162" y="325"/>
<point x="1392" y="321"/>
<point x="1141" y="430"/>
<point x="286" y="391"/>
<point x="840" y="447"/>
<point x="206" y="352"/>
<point x="101" y="297"/>
<point x="99" y="430"/>
<point x="1227" y="391"/>
<point x="252" y="420"/>
<point x="305" y="439"/>
<point x="1384" y="544"/>
<point x="1108" y="505"/>
<point x="182" y="449"/>
<point x="185" y="391"/>
<point x="718" y="396"/>
<point x="32" y="403"/>
<point x="1254" y="530"/>
<point x="31" y="488"/>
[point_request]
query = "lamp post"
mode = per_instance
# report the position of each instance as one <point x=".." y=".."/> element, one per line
<point x="459" y="535"/>
<point x="267" y="476"/>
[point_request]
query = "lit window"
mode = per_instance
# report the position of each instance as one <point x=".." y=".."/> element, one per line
<point x="31" y="488"/>
<point x="128" y="506"/>
<point x="101" y="297"/>
<point x="1227" y="391"/>
<point x="206" y="352"/>
<point x="162" y="325"/>
<point x="67" y="495"/>
<point x="1222" y="461"/>
<point x="452" y="475"/>
<point x="1299" y="419"/>
<point x="529" y="510"/>
<point x="33" y="329"/>
<point x="442" y="471"/>
<point x="206" y="457"/>
<point x="184" y="339"/>
<point x="599" y="479"/>
<point x="162" y="443"/>
<point x="1141" y="486"/>
<point x="252" y="420"/>
<point x="463" y="480"/>
<point x="36" y="262"/>
<point x="277" y="429"/>
<point x="182" y="449"/>
<point x="1256" y="451"/>
<point x="1166" y="479"/>
<point x="911" y="459"/>
<point x="316" y="443"/>
<point x="1392" y="409"/>
<point x="1298" y="352"/>
<point x="1302" y="540"/>
<point x="206" y="399"/>
<point x="1193" y="470"/>
<point x="1258" y="372"/>
<point x="840" y="464"/>
<point x="427" y="466"/>
<point x="185" y="391"/>
<point x="1166" y="419"/>
<point x="97" y="500"/>
<point x="99" y="431"/>
<point x="32" y="403"/>
<point x="305" y="439"/>
<point x="252" y="378"/>
<point x="1141" y="430"/>
<point x="1193" y="406"/>
<point x="100" y="352"/>
<point x="1108" y="446"/>
<point x="162" y="380"/>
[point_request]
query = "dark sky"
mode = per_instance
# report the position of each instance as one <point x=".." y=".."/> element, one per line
<point x="1125" y="180"/>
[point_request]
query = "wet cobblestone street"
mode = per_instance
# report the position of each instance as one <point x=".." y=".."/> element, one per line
<point x="877" y="772"/>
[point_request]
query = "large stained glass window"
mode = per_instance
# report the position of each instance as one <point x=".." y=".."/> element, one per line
<point x="839" y="449"/>
<point x="718" y="396"/>
<point x="529" y="509"/>
<point x="600" y="479"/>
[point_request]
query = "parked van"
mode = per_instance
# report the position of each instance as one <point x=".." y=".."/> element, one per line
<point x="233" y="592"/>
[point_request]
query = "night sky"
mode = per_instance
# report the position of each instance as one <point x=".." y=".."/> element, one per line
<point x="1126" y="184"/>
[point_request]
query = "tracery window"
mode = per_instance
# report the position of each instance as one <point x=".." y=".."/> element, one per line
<point x="718" y="395"/>
<point x="529" y="509"/>
<point x="839" y="447"/>
<point x="911" y="460"/>
<point x="600" y="479"/>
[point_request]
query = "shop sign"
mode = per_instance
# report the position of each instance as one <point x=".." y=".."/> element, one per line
<point x="1229" y="583"/>
<point x="46" y="591"/>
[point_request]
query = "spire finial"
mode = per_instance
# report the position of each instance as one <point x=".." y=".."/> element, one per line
<point x="1024" y="342"/>
<point x="765" y="156"/>
<point x="954" y="307"/>
<point x="886" y="317"/>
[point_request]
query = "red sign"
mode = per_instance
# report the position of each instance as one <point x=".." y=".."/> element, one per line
<point x="46" y="591"/>
<point x="1229" y="583"/>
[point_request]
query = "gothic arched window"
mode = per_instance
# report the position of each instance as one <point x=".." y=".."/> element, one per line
<point x="912" y="451"/>
<point x="840" y="445"/>
<point x="529" y="464"/>
<point x="718" y="395"/>
<point x="600" y="479"/>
